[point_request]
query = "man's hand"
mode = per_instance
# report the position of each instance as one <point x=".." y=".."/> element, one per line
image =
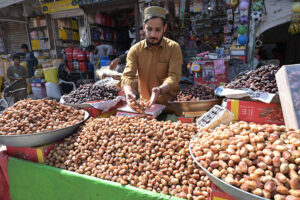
<point x="129" y="94"/>
<point x="156" y="91"/>
<point x="114" y="63"/>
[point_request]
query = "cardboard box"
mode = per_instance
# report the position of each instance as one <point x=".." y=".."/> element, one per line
<point x="193" y="114"/>
<point x="287" y="79"/>
<point x="34" y="154"/>
<point x="218" y="194"/>
<point x="258" y="112"/>
<point x="186" y="119"/>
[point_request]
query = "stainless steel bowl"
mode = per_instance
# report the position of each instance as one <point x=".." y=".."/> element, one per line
<point x="38" y="139"/>
<point x="194" y="106"/>
<point x="227" y="188"/>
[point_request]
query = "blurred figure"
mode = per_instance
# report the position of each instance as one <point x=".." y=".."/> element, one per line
<point x="96" y="53"/>
<point x="18" y="73"/>
<point x="31" y="60"/>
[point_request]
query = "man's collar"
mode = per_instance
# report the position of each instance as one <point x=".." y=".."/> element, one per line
<point x="162" y="43"/>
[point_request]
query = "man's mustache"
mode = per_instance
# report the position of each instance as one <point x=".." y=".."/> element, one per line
<point x="153" y="38"/>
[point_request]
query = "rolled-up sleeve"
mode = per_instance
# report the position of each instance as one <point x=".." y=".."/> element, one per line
<point x="130" y="70"/>
<point x="175" y="67"/>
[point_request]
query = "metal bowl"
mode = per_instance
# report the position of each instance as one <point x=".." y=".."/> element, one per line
<point x="194" y="106"/>
<point x="38" y="139"/>
<point x="227" y="188"/>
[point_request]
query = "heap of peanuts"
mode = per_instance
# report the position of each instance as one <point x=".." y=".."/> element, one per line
<point x="33" y="116"/>
<point x="142" y="152"/>
<point x="139" y="106"/>
<point x="261" y="159"/>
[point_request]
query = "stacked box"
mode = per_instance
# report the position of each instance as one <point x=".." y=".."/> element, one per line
<point x="287" y="79"/>
<point x="34" y="154"/>
<point x="258" y="112"/>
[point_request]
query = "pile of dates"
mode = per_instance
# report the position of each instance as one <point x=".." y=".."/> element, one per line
<point x="92" y="92"/>
<point x="261" y="79"/>
<point x="35" y="116"/>
<point x="261" y="159"/>
<point x="196" y="93"/>
<point x="139" y="106"/>
<point x="141" y="152"/>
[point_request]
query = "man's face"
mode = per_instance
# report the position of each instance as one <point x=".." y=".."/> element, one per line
<point x="154" y="31"/>
<point x="24" y="50"/>
<point x="16" y="61"/>
<point x="142" y="34"/>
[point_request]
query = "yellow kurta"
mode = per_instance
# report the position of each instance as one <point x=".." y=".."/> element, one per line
<point x="155" y="66"/>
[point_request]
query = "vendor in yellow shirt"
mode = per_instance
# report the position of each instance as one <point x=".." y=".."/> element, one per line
<point x="158" y="61"/>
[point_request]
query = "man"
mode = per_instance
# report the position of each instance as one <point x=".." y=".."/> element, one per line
<point x="157" y="60"/>
<point x="31" y="60"/>
<point x="97" y="53"/>
<point x="18" y="73"/>
<point x="122" y="58"/>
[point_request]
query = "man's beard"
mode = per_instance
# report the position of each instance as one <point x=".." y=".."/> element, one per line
<point x="156" y="43"/>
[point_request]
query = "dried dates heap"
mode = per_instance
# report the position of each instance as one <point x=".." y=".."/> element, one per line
<point x="261" y="159"/>
<point x="262" y="79"/>
<point x="142" y="152"/>
<point x="196" y="93"/>
<point x="34" y="116"/>
<point x="91" y="92"/>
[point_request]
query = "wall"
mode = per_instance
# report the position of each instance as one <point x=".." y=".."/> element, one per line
<point x="278" y="12"/>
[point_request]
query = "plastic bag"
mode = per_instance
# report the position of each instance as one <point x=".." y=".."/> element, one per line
<point x="106" y="72"/>
<point x="53" y="90"/>
<point x="107" y="82"/>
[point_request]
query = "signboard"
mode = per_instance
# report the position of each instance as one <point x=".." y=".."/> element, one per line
<point x="59" y="6"/>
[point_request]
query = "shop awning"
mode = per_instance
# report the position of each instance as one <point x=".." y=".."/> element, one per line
<point x="8" y="3"/>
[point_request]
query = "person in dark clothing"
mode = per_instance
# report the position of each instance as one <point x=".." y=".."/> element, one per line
<point x="65" y="75"/>
<point x="31" y="60"/>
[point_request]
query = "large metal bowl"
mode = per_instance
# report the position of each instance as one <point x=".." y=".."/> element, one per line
<point x="194" y="106"/>
<point x="227" y="188"/>
<point x="38" y="139"/>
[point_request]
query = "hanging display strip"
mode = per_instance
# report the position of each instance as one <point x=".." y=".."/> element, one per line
<point x="67" y="13"/>
<point x="47" y="183"/>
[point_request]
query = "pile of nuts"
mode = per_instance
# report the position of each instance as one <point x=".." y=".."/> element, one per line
<point x="261" y="159"/>
<point x="196" y="93"/>
<point x="262" y="79"/>
<point x="33" y="116"/>
<point x="142" y="152"/>
<point x="139" y="106"/>
<point x="92" y="92"/>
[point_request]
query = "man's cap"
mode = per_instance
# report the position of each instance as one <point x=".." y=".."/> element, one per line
<point x="154" y="11"/>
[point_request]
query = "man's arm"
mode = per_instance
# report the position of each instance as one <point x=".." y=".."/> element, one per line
<point x="129" y="75"/>
<point x="119" y="60"/>
<point x="174" y="75"/>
